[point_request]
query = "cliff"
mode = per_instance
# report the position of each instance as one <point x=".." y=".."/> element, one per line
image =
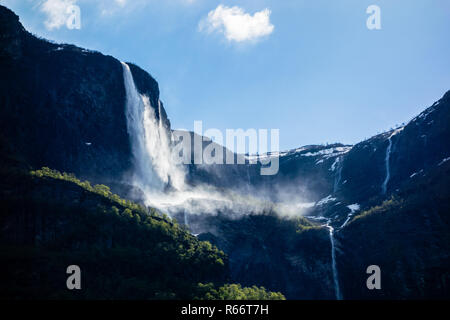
<point x="63" y="106"/>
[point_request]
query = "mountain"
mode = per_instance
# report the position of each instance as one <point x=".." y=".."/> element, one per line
<point x="62" y="106"/>
<point x="309" y="232"/>
<point x="400" y="223"/>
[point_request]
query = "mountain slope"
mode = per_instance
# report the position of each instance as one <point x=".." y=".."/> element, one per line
<point x="408" y="237"/>
<point x="124" y="250"/>
<point x="417" y="146"/>
<point x="51" y="220"/>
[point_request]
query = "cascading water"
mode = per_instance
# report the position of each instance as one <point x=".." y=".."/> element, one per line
<point x="160" y="175"/>
<point x="186" y="221"/>
<point x="338" y="175"/>
<point x="337" y="289"/>
<point x="388" y="170"/>
<point x="155" y="169"/>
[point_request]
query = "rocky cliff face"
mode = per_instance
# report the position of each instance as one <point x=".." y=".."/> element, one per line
<point x="394" y="156"/>
<point x="290" y="255"/>
<point x="407" y="237"/>
<point x="388" y="201"/>
<point x="63" y="106"/>
<point x="370" y="171"/>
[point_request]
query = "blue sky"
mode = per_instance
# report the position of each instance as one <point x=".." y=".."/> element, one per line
<point x="309" y="68"/>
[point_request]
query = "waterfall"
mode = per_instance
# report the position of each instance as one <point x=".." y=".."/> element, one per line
<point x="338" y="175"/>
<point x="159" y="173"/>
<point x="388" y="170"/>
<point x="337" y="289"/>
<point x="186" y="222"/>
<point x="154" y="165"/>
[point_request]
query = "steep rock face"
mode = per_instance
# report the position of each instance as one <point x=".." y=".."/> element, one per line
<point x="373" y="170"/>
<point x="63" y="106"/>
<point x="276" y="253"/>
<point x="11" y="34"/>
<point x="148" y="86"/>
<point x="417" y="146"/>
<point x="313" y="169"/>
<point x="407" y="237"/>
<point x="308" y="172"/>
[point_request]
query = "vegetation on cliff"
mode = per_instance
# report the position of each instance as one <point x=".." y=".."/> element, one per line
<point x="51" y="220"/>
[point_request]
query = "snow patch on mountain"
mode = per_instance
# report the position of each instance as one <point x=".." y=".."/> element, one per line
<point x="423" y="116"/>
<point x="333" y="166"/>
<point x="328" y="153"/>
<point x="258" y="157"/>
<point x="396" y="131"/>
<point x="415" y="174"/>
<point x="325" y="200"/>
<point x="443" y="161"/>
<point x="354" y="207"/>
<point x="319" y="218"/>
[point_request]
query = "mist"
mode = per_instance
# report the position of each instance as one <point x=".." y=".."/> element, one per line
<point x="163" y="179"/>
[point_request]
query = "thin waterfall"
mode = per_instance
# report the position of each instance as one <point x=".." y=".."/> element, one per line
<point x="338" y="175"/>
<point x="388" y="170"/>
<point x="337" y="289"/>
<point x="186" y="222"/>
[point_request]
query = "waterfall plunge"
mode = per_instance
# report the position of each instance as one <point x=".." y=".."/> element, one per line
<point x="156" y="171"/>
<point x="158" y="174"/>
<point x="338" y="175"/>
<point x="155" y="168"/>
<point x="337" y="289"/>
<point x="388" y="170"/>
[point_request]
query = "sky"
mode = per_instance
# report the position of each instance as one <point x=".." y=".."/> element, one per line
<point x="311" y="68"/>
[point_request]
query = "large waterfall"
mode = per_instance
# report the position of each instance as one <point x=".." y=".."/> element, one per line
<point x="388" y="170"/>
<point x="156" y="171"/>
<point x="155" y="168"/>
<point x="160" y="175"/>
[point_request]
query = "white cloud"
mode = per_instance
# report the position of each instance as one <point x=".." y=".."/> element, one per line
<point x="57" y="12"/>
<point x="236" y="24"/>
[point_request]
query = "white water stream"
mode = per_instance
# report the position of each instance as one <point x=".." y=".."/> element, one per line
<point x="388" y="169"/>
<point x="337" y="289"/>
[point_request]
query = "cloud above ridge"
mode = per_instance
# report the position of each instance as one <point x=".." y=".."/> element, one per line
<point x="56" y="11"/>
